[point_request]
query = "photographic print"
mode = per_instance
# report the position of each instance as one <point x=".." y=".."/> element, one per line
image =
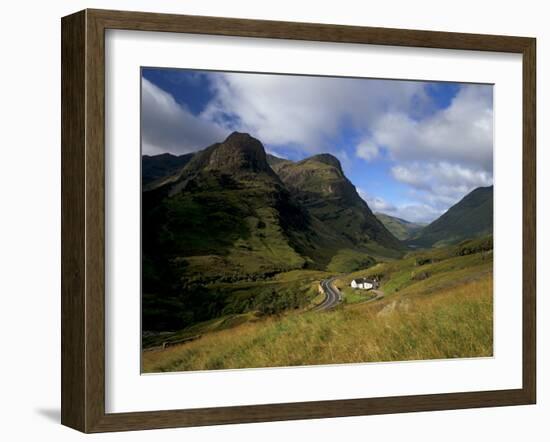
<point x="292" y="220"/>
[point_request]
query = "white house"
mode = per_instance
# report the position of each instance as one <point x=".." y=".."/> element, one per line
<point x="363" y="283"/>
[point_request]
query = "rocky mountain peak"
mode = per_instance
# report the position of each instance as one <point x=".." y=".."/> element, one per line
<point x="239" y="151"/>
<point x="327" y="158"/>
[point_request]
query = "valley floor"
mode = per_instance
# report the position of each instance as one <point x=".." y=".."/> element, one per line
<point x="437" y="304"/>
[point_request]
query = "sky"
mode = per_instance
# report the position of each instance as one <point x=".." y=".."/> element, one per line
<point x="411" y="148"/>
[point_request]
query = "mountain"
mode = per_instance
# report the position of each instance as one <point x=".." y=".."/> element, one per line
<point x="274" y="161"/>
<point x="471" y="217"/>
<point x="227" y="212"/>
<point x="318" y="184"/>
<point x="400" y="228"/>
<point x="154" y="167"/>
<point x="227" y="220"/>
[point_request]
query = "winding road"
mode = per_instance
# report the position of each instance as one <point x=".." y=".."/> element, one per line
<point x="333" y="297"/>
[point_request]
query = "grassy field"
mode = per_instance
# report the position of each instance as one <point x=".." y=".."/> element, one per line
<point x="353" y="296"/>
<point x="431" y="270"/>
<point x="456" y="322"/>
<point x="438" y="304"/>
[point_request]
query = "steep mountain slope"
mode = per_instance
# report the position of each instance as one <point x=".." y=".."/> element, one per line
<point x="471" y="217"/>
<point x="319" y="184"/>
<point x="400" y="228"/>
<point x="154" y="167"/>
<point x="226" y="213"/>
<point x="275" y="162"/>
<point x="225" y="217"/>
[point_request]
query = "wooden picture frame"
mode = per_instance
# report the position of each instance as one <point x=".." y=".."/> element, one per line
<point x="83" y="220"/>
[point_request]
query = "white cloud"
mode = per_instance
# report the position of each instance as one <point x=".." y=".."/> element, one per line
<point x="420" y="213"/>
<point x="169" y="127"/>
<point x="376" y="204"/>
<point x="461" y="133"/>
<point x="431" y="175"/>
<point x="305" y="112"/>
<point x="276" y="153"/>
<point x="441" y="184"/>
<point x="442" y="157"/>
<point x="367" y="150"/>
<point x="415" y="212"/>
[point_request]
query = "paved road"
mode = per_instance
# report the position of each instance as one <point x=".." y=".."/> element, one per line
<point x="333" y="297"/>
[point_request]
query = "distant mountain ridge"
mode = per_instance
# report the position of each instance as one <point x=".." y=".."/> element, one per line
<point x="154" y="167"/>
<point x="400" y="228"/>
<point x="471" y="217"/>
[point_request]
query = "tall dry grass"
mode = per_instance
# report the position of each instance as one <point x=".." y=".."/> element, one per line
<point x="453" y="322"/>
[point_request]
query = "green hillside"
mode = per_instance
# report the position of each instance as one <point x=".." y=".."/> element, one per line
<point x="400" y="228"/>
<point x="471" y="217"/>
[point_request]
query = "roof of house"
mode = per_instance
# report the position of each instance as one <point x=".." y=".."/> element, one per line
<point x="363" y="280"/>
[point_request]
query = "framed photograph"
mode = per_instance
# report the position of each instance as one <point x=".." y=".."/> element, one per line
<point x="269" y="220"/>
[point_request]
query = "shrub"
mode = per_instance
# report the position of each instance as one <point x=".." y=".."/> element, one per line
<point x="422" y="260"/>
<point x="419" y="276"/>
<point x="470" y="247"/>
